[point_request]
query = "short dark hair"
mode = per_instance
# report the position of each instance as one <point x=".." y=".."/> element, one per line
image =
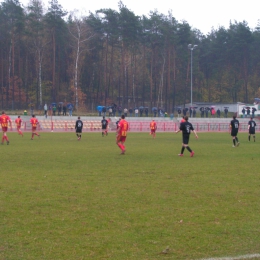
<point x="186" y="118"/>
<point x="18" y="116"/>
<point x="123" y="116"/>
<point x="78" y="117"/>
<point x="234" y="116"/>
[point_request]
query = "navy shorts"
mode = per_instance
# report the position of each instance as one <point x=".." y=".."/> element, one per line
<point x="234" y="133"/>
<point x="185" y="138"/>
<point x="78" y="130"/>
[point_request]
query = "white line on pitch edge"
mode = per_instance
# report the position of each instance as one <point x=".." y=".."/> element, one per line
<point x="234" y="257"/>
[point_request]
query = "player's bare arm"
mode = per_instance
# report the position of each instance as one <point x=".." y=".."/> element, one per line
<point x="195" y="134"/>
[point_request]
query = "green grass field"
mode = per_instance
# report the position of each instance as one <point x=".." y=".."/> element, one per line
<point x="66" y="199"/>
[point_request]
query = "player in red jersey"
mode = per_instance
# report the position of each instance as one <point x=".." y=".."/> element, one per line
<point x="34" y="122"/>
<point x="153" y="128"/>
<point x="18" y="122"/>
<point x="4" y="121"/>
<point x="123" y="127"/>
<point x="108" y="121"/>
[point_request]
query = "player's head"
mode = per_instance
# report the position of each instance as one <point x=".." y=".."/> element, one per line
<point x="18" y="116"/>
<point x="234" y="116"/>
<point x="186" y="118"/>
<point x="103" y="117"/>
<point x="78" y="117"/>
<point x="33" y="115"/>
<point x="123" y="116"/>
<point x="251" y="118"/>
<point x="3" y="112"/>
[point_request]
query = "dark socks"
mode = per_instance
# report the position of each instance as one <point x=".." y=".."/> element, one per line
<point x="188" y="148"/>
<point x="234" y="142"/>
<point x="182" y="149"/>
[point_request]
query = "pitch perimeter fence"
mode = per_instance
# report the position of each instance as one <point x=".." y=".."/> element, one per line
<point x="95" y="126"/>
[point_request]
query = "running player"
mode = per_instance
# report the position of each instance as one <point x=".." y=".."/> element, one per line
<point x="104" y="125"/>
<point x="186" y="127"/>
<point x="78" y="128"/>
<point x="18" y="122"/>
<point x="234" y="126"/>
<point x="34" y="122"/>
<point x="251" y="128"/>
<point x="153" y="128"/>
<point x="123" y="127"/>
<point x="4" y="121"/>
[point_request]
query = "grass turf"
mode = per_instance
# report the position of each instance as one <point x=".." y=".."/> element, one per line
<point x="66" y="199"/>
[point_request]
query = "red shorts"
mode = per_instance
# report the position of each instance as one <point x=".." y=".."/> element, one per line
<point x="34" y="128"/>
<point x="121" y="138"/>
<point x="4" y="129"/>
<point x="152" y="131"/>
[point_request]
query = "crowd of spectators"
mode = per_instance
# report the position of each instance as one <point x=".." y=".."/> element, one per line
<point x="141" y="111"/>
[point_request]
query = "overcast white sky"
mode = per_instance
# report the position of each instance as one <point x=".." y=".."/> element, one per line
<point x="200" y="14"/>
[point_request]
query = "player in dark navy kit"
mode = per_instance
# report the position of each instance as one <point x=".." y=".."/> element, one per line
<point x="234" y="127"/>
<point x="186" y="127"/>
<point x="251" y="128"/>
<point x="78" y="127"/>
<point x="104" y="125"/>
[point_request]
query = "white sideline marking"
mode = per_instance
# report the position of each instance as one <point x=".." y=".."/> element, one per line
<point x="234" y="257"/>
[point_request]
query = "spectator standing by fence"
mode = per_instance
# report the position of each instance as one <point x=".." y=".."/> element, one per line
<point x="141" y="110"/>
<point x="31" y="109"/>
<point x="202" y="112"/>
<point x="70" y="108"/>
<point x="243" y="112"/>
<point x="59" y="109"/>
<point x="64" y="109"/>
<point x="218" y="113"/>
<point x="253" y="111"/>
<point x="225" y="112"/>
<point x="194" y="112"/>
<point x="136" y="112"/>
<point x="54" y="110"/>
<point x="155" y="112"/>
<point x="130" y="111"/>
<point x="248" y="112"/>
<point x="146" y="111"/>
<point x="125" y="112"/>
<point x="45" y="110"/>
<point x="110" y="111"/>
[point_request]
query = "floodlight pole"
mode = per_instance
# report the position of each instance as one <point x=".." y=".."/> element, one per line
<point x="191" y="49"/>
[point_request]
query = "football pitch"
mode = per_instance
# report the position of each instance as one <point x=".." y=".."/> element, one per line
<point x="66" y="199"/>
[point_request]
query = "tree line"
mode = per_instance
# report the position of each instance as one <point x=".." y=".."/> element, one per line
<point x="118" y="57"/>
